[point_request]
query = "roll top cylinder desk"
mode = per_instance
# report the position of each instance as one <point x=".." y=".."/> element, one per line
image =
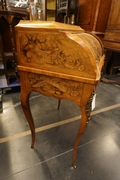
<point x="58" y="60"/>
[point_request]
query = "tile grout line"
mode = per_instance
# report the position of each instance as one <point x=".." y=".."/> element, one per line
<point x="46" y="127"/>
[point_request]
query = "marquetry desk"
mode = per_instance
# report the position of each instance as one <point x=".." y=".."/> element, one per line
<point x="58" y="60"/>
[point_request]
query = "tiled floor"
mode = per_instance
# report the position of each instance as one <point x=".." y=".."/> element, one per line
<point x="98" y="156"/>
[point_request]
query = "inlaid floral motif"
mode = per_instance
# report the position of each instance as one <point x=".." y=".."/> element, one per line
<point x="54" y="86"/>
<point x="50" y="50"/>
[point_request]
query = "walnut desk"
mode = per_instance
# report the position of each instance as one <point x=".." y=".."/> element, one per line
<point x="58" y="60"/>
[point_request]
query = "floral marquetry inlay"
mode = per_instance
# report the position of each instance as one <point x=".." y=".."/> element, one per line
<point x="55" y="86"/>
<point x="47" y="49"/>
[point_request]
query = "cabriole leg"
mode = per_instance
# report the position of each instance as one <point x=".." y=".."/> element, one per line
<point x="81" y="130"/>
<point x="26" y="108"/>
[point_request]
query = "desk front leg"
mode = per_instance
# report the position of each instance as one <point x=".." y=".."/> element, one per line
<point x="26" y="108"/>
<point x="82" y="127"/>
<point x="85" y="107"/>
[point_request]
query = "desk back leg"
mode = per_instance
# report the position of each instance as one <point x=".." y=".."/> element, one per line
<point x="59" y="102"/>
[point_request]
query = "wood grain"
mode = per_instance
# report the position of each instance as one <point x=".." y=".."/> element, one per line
<point x="58" y="60"/>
